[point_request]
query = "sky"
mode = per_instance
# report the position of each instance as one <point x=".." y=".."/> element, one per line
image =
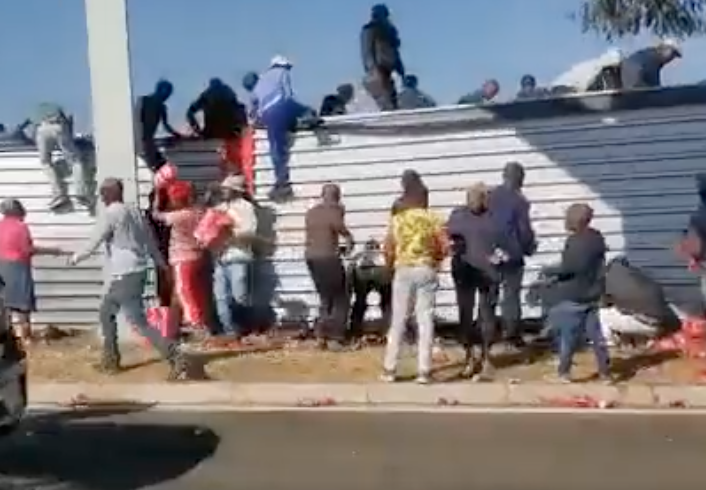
<point x="451" y="45"/>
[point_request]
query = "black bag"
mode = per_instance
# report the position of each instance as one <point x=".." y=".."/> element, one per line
<point x="633" y="292"/>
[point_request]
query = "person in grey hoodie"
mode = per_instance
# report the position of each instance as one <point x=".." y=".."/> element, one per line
<point x="580" y="283"/>
<point x="475" y="239"/>
<point x="510" y="209"/>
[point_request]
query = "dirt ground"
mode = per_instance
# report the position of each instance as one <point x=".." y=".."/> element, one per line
<point x="71" y="360"/>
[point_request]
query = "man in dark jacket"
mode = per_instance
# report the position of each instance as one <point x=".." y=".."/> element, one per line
<point x="510" y="210"/>
<point x="643" y="68"/>
<point x="580" y="284"/>
<point x="380" y="50"/>
<point x="474" y="267"/>
<point x="413" y="98"/>
<point x="223" y="115"/>
<point x="335" y="104"/>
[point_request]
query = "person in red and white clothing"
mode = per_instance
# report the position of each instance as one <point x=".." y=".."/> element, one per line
<point x="186" y="257"/>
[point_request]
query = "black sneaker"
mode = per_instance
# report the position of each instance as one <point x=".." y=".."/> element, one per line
<point x="281" y="193"/>
<point x="59" y="202"/>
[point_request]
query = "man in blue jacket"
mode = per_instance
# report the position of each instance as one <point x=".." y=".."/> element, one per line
<point x="274" y="105"/>
<point x="510" y="209"/>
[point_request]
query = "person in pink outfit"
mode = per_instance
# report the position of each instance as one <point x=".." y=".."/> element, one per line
<point x="16" y="251"/>
<point x="186" y="257"/>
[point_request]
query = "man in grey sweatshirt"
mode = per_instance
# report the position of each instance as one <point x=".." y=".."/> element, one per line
<point x="129" y="246"/>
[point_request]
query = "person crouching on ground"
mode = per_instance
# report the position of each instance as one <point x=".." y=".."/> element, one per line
<point x="579" y="281"/>
<point x="233" y="258"/>
<point x="16" y="251"/>
<point x="476" y="245"/>
<point x="369" y="273"/>
<point x="186" y="258"/>
<point x="415" y="247"/>
<point x="129" y="246"/>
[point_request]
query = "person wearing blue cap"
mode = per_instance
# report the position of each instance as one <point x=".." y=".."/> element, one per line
<point x="274" y="105"/>
<point x="380" y="50"/>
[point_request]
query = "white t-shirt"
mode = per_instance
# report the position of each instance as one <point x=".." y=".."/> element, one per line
<point x="244" y="219"/>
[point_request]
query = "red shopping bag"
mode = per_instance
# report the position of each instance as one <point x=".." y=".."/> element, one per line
<point x="166" y="174"/>
<point x="164" y="320"/>
<point x="694" y="328"/>
<point x="212" y="227"/>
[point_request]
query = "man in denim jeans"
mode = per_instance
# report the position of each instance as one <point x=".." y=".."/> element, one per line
<point x="233" y="262"/>
<point x="579" y="286"/>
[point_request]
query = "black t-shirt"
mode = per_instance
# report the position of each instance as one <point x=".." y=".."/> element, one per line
<point x="223" y="115"/>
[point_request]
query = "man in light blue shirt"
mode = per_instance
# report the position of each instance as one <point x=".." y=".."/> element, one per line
<point x="275" y="107"/>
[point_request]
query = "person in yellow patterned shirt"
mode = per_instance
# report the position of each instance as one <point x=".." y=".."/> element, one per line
<point x="415" y="247"/>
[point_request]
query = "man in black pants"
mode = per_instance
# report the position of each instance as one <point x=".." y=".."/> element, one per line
<point x="325" y="223"/>
<point x="475" y="236"/>
<point x="369" y="274"/>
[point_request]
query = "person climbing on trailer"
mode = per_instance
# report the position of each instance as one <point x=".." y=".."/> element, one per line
<point x="275" y="107"/>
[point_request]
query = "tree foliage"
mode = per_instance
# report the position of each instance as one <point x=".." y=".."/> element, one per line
<point x="619" y="18"/>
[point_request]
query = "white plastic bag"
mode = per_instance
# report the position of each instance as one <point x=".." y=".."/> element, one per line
<point x="615" y="322"/>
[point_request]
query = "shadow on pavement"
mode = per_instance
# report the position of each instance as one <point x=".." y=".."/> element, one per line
<point x="101" y="455"/>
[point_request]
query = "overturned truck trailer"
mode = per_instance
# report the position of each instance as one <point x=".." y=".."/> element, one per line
<point x="631" y="156"/>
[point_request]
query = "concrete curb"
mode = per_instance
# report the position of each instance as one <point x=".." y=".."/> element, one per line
<point x="223" y="394"/>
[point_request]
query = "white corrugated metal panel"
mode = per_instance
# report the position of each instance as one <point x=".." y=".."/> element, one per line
<point x="636" y="169"/>
<point x="66" y="296"/>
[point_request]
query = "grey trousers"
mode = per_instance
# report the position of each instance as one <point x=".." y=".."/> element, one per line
<point x="125" y="293"/>
<point x="49" y="137"/>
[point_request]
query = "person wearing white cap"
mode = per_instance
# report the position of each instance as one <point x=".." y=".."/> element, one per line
<point x="275" y="106"/>
<point x="233" y="261"/>
<point x="643" y="68"/>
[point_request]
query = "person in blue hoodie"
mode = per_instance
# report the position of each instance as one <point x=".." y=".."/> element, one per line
<point x="275" y="107"/>
<point x="510" y="209"/>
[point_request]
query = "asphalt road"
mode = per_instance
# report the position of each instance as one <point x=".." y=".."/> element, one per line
<point x="356" y="451"/>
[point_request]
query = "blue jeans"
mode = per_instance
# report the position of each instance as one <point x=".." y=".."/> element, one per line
<point x="279" y="120"/>
<point x="230" y="289"/>
<point x="573" y="322"/>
